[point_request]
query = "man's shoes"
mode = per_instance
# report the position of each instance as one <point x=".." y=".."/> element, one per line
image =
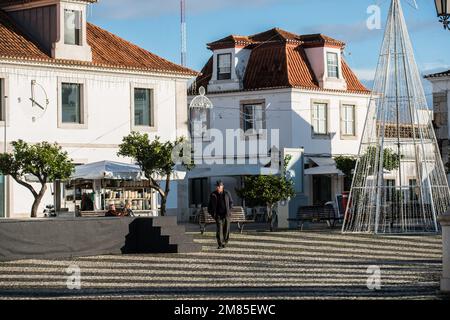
<point x="221" y="246"/>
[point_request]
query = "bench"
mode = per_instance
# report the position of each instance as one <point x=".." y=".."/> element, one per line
<point x="316" y="214"/>
<point x="92" y="214"/>
<point x="237" y="216"/>
<point x="96" y="214"/>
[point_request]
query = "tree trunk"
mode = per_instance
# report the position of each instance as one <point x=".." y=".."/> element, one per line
<point x="164" y="198"/>
<point x="37" y="201"/>
<point x="163" y="205"/>
<point x="269" y="216"/>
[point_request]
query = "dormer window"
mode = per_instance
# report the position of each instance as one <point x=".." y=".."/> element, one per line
<point x="72" y="27"/>
<point x="224" y="66"/>
<point x="332" y="65"/>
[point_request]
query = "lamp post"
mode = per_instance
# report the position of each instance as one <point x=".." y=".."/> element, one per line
<point x="443" y="12"/>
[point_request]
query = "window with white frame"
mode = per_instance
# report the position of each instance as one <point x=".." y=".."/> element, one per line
<point x="143" y="107"/>
<point x="253" y="117"/>
<point x="319" y="118"/>
<point x="199" y="122"/>
<point x="72" y="27"/>
<point x="2" y="100"/>
<point x="332" y="65"/>
<point x="348" y="127"/>
<point x="224" y="66"/>
<point x="71" y="103"/>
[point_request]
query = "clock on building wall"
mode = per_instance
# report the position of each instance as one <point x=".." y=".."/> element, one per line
<point x="39" y="100"/>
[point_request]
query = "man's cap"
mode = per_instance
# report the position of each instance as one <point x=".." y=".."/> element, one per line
<point x="219" y="183"/>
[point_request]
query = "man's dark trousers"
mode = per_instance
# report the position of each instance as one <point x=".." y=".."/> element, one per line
<point x="223" y="230"/>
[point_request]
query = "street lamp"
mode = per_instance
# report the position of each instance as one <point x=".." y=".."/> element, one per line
<point x="443" y="12"/>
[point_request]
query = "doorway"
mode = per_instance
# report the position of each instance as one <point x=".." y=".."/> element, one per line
<point x="321" y="190"/>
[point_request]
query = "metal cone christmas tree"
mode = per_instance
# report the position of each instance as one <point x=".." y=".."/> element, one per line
<point x="399" y="183"/>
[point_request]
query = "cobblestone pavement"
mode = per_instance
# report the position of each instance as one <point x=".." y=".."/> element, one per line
<point x="320" y="264"/>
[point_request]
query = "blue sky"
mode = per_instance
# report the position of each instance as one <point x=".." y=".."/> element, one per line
<point x="154" y="25"/>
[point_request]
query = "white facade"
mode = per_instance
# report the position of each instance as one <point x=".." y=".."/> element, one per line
<point x="107" y="109"/>
<point x="441" y="115"/>
<point x="289" y="111"/>
<point x="281" y="92"/>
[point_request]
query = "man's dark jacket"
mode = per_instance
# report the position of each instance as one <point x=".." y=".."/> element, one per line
<point x="212" y="206"/>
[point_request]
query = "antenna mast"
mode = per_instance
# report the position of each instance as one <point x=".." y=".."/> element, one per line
<point x="183" y="33"/>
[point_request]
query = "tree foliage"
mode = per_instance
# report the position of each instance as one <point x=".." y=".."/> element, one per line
<point x="268" y="190"/>
<point x="347" y="166"/>
<point x="391" y="160"/>
<point x="157" y="159"/>
<point x="46" y="162"/>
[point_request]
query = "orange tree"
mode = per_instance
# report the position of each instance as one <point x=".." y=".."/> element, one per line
<point x="157" y="159"/>
<point x="268" y="190"/>
<point x="46" y="162"/>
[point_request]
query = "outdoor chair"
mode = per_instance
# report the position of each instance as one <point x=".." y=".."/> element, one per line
<point x="325" y="213"/>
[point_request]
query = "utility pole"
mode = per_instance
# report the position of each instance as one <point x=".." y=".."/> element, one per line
<point x="183" y="33"/>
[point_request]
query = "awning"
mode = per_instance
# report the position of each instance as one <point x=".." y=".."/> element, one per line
<point x="323" y="161"/>
<point x="108" y="170"/>
<point x="325" y="166"/>
<point x="230" y="170"/>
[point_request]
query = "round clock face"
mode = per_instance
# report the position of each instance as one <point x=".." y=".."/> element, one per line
<point x="39" y="101"/>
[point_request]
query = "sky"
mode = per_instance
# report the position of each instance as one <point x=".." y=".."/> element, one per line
<point x="155" y="26"/>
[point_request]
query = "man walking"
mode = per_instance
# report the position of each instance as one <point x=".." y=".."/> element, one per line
<point x="220" y="205"/>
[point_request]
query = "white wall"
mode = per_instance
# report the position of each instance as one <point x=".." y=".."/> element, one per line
<point x="335" y="144"/>
<point x="289" y="111"/>
<point x="108" y="96"/>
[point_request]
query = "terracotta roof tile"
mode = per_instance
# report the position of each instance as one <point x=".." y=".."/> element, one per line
<point x="267" y="67"/>
<point x="275" y="35"/>
<point x="278" y="60"/>
<point x="353" y="82"/>
<point x="108" y="51"/>
<point x="205" y="75"/>
<point x="299" y="70"/>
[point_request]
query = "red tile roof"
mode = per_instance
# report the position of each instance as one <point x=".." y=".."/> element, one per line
<point x="275" y="35"/>
<point x="438" y="75"/>
<point x="108" y="51"/>
<point x="4" y="3"/>
<point x="278" y="60"/>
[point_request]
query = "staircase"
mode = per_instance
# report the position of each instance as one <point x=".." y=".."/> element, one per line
<point x="161" y="235"/>
<point x="82" y="237"/>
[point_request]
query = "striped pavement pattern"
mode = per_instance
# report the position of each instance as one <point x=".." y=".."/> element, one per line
<point x="256" y="265"/>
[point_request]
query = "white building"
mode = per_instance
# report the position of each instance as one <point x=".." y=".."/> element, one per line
<point x="299" y="85"/>
<point x="94" y="88"/>
<point x="441" y="102"/>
